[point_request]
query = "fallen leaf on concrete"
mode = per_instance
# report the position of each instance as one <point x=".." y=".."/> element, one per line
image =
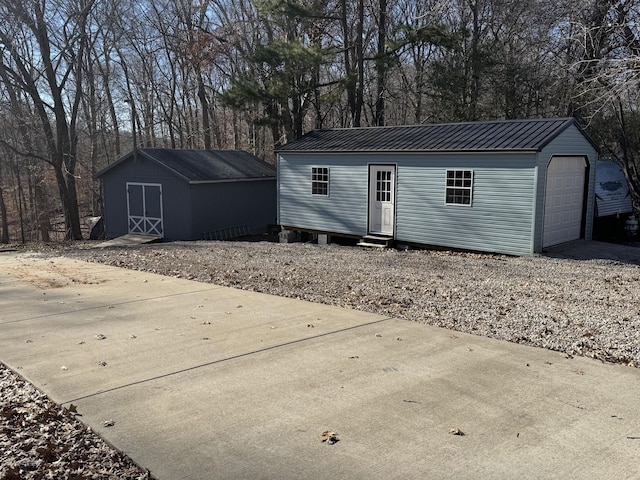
<point x="329" y="437"/>
<point x="456" y="431"/>
<point x="108" y="423"/>
<point x="100" y="336"/>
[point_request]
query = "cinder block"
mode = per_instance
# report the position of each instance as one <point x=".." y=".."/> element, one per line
<point x="323" y="239"/>
<point x="287" y="236"/>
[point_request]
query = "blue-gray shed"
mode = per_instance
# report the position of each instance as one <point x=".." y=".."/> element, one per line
<point x="188" y="194"/>
<point x="511" y="186"/>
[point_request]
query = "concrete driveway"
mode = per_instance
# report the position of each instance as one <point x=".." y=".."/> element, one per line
<point x="208" y="382"/>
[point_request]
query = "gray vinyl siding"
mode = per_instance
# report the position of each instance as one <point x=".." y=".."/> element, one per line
<point x="223" y="205"/>
<point x="499" y="219"/>
<point x="503" y="198"/>
<point x="570" y="143"/>
<point x="343" y="211"/>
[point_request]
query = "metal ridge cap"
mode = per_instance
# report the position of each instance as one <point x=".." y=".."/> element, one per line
<point x="430" y="151"/>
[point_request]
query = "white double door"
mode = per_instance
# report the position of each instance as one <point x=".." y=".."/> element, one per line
<point x="144" y="205"/>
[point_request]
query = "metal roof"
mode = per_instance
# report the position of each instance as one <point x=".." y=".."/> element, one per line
<point x="201" y="166"/>
<point x="505" y="135"/>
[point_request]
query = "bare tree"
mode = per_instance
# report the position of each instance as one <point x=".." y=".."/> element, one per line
<point x="50" y="38"/>
<point x="608" y="81"/>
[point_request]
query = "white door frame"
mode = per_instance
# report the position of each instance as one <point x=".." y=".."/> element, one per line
<point x="382" y="198"/>
<point x="145" y="224"/>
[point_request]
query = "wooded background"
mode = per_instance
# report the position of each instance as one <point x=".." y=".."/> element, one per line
<point x="81" y="80"/>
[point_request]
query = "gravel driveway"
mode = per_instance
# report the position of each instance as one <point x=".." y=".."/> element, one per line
<point x="583" y="299"/>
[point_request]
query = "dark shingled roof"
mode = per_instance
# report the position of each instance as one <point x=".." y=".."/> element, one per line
<point x="505" y="135"/>
<point x="204" y="165"/>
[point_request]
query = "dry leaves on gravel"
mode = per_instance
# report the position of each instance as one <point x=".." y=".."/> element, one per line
<point x="40" y="439"/>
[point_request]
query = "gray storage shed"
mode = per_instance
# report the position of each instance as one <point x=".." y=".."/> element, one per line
<point x="511" y="187"/>
<point x="188" y="194"/>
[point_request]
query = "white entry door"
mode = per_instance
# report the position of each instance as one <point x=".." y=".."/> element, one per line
<point x="382" y="180"/>
<point x="564" y="200"/>
<point x="144" y="205"/>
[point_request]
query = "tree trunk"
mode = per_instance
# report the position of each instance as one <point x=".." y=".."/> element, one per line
<point x="44" y="220"/>
<point x="4" y="234"/>
<point x="350" y="76"/>
<point x="204" y="105"/>
<point x="381" y="63"/>
<point x="18" y="199"/>
<point x="475" y="62"/>
<point x="67" y="192"/>
<point x="360" y="60"/>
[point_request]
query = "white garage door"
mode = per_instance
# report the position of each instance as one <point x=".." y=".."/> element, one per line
<point x="564" y="200"/>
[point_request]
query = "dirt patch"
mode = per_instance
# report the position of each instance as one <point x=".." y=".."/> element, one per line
<point x="52" y="275"/>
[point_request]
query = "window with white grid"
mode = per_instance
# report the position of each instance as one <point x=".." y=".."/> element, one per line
<point x="320" y="181"/>
<point x="383" y="186"/>
<point x="459" y="189"/>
